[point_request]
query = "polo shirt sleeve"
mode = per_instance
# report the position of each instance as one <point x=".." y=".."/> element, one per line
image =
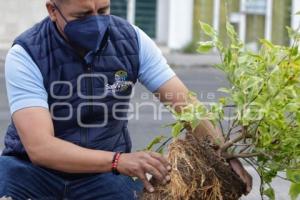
<point x="154" y="70"/>
<point x="24" y="81"/>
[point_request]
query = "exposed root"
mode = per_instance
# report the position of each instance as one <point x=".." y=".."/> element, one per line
<point x="197" y="174"/>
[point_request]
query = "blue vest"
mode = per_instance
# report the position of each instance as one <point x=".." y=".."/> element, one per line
<point x="87" y="96"/>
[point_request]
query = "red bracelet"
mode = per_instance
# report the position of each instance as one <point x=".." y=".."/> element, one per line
<point x="115" y="162"/>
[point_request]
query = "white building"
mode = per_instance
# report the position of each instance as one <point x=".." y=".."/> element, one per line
<point x="296" y="18"/>
<point x="168" y="22"/>
<point x="17" y="16"/>
<point x="174" y="19"/>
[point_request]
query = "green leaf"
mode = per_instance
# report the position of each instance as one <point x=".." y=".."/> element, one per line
<point x="161" y="151"/>
<point x="186" y="117"/>
<point x="154" y="142"/>
<point x="230" y="30"/>
<point x="205" y="47"/>
<point x="176" y="130"/>
<point x="293" y="107"/>
<point x="293" y="34"/>
<point x="294" y="191"/>
<point x="293" y="175"/>
<point x="270" y="193"/>
<point x="297" y="13"/>
<point x="207" y="29"/>
<point x="195" y="123"/>
<point x="228" y="57"/>
<point x="192" y="95"/>
<point x="294" y="51"/>
<point x="222" y="101"/>
<point x="224" y="90"/>
<point x="219" y="66"/>
<point x="266" y="43"/>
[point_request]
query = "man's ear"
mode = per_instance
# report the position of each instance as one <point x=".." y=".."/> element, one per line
<point x="51" y="10"/>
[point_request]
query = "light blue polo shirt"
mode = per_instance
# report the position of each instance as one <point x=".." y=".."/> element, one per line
<point x="24" y="81"/>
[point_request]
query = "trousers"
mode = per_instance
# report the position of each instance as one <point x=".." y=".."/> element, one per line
<point x="22" y="180"/>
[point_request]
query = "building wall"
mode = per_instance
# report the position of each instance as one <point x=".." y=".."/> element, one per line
<point x="203" y="11"/>
<point x="295" y="18"/>
<point x="18" y="15"/>
<point x="255" y="24"/>
<point x="180" y="23"/>
<point x="174" y="20"/>
<point x="281" y="19"/>
<point x="162" y="31"/>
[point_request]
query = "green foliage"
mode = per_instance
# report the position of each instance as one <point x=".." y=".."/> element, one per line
<point x="294" y="176"/>
<point x="264" y="94"/>
<point x="205" y="47"/>
<point x="270" y="193"/>
<point x="265" y="89"/>
<point x="176" y="129"/>
<point x="208" y="30"/>
<point x="154" y="142"/>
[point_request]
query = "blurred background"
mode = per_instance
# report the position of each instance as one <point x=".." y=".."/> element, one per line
<point x="174" y="26"/>
<point x="173" y="23"/>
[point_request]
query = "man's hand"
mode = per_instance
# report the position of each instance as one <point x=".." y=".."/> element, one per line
<point x="140" y="163"/>
<point x="237" y="166"/>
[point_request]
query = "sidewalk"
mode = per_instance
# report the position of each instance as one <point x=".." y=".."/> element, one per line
<point x="281" y="187"/>
<point x="191" y="60"/>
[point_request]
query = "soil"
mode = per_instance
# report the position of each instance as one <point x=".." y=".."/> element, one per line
<point x="198" y="173"/>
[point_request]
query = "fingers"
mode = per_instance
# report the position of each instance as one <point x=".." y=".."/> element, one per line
<point x="155" y="163"/>
<point x="141" y="163"/>
<point x="161" y="159"/>
<point x="146" y="183"/>
<point x="156" y="173"/>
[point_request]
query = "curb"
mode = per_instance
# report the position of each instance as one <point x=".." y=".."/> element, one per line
<point x="178" y="60"/>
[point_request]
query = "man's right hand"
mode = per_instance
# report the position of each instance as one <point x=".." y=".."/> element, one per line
<point x="140" y="163"/>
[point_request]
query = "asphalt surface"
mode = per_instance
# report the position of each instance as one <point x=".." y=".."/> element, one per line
<point x="146" y="125"/>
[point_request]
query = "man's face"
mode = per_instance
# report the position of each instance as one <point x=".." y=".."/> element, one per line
<point x="76" y="9"/>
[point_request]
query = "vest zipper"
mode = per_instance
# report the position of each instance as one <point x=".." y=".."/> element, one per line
<point x="89" y="87"/>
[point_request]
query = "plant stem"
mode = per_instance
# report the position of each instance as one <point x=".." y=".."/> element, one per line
<point x="242" y="145"/>
<point x="245" y="148"/>
<point x="231" y="128"/>
<point x="230" y="143"/>
<point x="221" y="127"/>
<point x="162" y="146"/>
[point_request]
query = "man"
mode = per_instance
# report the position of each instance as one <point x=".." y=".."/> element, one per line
<point x="68" y="79"/>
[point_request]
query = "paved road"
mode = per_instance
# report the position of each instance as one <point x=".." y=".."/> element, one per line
<point x="204" y="81"/>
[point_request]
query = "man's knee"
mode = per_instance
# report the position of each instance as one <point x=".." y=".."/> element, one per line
<point x="11" y="167"/>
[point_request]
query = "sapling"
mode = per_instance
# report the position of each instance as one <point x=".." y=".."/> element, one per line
<point x="263" y="128"/>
